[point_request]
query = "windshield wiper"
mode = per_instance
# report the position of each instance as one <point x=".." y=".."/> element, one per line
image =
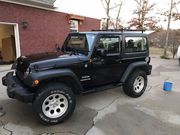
<point x="74" y="52"/>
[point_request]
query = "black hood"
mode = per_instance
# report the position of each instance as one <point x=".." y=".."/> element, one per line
<point x="49" y="60"/>
<point x="43" y="56"/>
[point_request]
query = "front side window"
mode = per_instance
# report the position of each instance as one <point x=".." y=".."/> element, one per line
<point x="135" y="44"/>
<point x="109" y="44"/>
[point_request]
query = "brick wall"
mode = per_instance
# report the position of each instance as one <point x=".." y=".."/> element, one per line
<point x="45" y="28"/>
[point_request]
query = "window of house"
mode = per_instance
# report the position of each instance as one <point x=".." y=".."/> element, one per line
<point x="135" y="44"/>
<point x="73" y="25"/>
<point x="110" y="44"/>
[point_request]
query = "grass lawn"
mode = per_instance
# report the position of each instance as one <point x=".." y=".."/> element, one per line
<point x="159" y="51"/>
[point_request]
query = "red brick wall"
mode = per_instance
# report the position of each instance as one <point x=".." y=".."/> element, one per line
<point x="89" y="24"/>
<point x="46" y="28"/>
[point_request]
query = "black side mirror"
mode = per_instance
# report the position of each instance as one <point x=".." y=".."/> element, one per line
<point x="101" y="52"/>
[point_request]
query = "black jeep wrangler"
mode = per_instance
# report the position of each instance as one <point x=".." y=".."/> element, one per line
<point x="87" y="62"/>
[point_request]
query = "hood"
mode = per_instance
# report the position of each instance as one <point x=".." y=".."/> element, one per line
<point x="49" y="60"/>
<point x="43" y="56"/>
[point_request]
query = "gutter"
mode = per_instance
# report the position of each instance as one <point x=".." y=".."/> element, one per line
<point x="44" y="6"/>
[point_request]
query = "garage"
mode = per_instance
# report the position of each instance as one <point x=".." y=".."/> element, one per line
<point x="8" y="43"/>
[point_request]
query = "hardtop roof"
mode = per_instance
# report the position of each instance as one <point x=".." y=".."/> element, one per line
<point x="126" y="33"/>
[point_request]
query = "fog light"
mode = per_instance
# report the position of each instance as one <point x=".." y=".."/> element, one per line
<point x="36" y="82"/>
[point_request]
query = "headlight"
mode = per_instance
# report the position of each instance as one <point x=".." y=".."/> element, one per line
<point x="28" y="71"/>
<point x="148" y="59"/>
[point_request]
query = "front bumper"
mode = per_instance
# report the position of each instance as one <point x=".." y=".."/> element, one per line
<point x="16" y="90"/>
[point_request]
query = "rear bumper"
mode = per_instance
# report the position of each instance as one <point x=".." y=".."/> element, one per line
<point x="16" y="90"/>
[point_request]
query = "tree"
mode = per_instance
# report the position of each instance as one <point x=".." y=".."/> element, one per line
<point x="176" y="16"/>
<point x="142" y="20"/>
<point x="175" y="42"/>
<point x="106" y="5"/>
<point x="168" y="27"/>
<point x="169" y="14"/>
<point x="109" y="20"/>
<point x="118" y="15"/>
<point x="157" y="39"/>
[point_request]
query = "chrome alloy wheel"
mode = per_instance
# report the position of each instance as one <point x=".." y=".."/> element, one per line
<point x="55" y="106"/>
<point x="138" y="84"/>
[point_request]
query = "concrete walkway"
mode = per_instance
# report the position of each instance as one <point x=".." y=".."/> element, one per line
<point x="4" y="68"/>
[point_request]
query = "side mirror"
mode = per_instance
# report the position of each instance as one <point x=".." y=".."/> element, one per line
<point x="101" y="52"/>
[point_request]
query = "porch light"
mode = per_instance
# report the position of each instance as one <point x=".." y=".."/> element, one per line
<point x="25" y="24"/>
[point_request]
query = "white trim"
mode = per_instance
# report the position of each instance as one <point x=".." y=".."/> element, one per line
<point x="76" y="28"/>
<point x="29" y="5"/>
<point x="17" y="40"/>
<point x="8" y="23"/>
<point x="16" y="34"/>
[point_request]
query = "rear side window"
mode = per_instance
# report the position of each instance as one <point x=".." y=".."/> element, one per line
<point x="135" y="44"/>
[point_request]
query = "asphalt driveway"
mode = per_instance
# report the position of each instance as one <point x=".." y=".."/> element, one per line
<point x="107" y="113"/>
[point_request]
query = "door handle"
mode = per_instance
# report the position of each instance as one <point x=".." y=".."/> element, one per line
<point x="98" y="61"/>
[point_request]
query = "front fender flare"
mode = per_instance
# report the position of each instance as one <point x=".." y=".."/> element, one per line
<point x="54" y="73"/>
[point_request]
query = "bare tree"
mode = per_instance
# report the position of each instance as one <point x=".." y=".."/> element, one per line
<point x="176" y="16"/>
<point x="170" y="14"/>
<point x="168" y="27"/>
<point x="108" y="7"/>
<point x="157" y="39"/>
<point x="143" y="20"/>
<point x="118" y="15"/>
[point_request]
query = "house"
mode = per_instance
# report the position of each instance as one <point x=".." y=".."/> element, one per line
<point x="35" y="26"/>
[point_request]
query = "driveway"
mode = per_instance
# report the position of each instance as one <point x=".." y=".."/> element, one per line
<point x="107" y="113"/>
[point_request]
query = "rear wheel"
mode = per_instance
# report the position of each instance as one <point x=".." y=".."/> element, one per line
<point x="136" y="84"/>
<point x="54" y="104"/>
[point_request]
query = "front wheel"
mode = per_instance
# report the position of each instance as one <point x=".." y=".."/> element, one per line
<point x="54" y="104"/>
<point x="136" y="84"/>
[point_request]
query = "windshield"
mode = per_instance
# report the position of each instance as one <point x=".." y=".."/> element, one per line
<point x="80" y="43"/>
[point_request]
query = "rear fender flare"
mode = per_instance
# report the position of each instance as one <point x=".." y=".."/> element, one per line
<point x="130" y="69"/>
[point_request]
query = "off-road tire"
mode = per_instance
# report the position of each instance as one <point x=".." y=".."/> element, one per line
<point x="129" y="88"/>
<point x="49" y="91"/>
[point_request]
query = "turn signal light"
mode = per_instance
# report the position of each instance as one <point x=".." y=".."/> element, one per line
<point x="36" y="82"/>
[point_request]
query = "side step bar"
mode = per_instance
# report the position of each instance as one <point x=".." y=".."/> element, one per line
<point x="103" y="88"/>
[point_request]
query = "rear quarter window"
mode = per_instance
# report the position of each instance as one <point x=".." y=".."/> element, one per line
<point x="135" y="44"/>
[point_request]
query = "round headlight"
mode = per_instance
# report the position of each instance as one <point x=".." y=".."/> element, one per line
<point x="27" y="72"/>
<point x="147" y="59"/>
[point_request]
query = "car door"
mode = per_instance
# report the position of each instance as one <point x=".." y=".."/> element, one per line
<point x="106" y="60"/>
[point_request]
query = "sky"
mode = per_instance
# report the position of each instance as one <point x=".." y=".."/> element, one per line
<point x="94" y="9"/>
